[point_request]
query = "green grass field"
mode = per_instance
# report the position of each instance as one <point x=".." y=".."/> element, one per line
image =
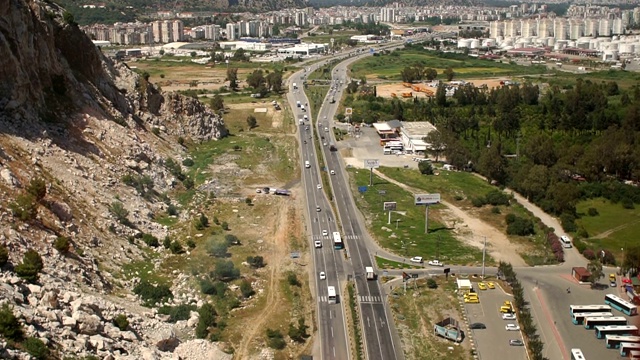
<point x="390" y="66"/>
<point x="613" y="229"/>
<point x="408" y="239"/>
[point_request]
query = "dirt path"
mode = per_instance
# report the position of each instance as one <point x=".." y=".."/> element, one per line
<point x="498" y="245"/>
<point x="275" y="259"/>
<point x="605" y="234"/>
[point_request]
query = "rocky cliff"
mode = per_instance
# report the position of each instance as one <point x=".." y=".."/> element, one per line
<point x="78" y="123"/>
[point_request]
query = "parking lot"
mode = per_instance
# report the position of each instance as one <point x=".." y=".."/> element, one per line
<point x="493" y="342"/>
<point x="367" y="146"/>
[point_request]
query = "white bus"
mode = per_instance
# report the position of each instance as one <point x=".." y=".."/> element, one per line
<point x="625" y="348"/>
<point x="621" y="304"/>
<point x="592" y="322"/>
<point x="332" y="297"/>
<point x="622" y="330"/>
<point x="614" y="341"/>
<point x="576" y="354"/>
<point x="566" y="242"/>
<point x="337" y="241"/>
<point x="578" y="318"/>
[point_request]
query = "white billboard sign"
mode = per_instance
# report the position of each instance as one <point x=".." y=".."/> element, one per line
<point x="371" y="163"/>
<point x="427" y="199"/>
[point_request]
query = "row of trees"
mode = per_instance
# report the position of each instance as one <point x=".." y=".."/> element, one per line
<point x="419" y="72"/>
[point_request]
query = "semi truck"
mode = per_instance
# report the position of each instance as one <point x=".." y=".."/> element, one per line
<point x="370" y="274"/>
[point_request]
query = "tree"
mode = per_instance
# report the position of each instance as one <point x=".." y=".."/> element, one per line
<point x="493" y="165"/>
<point x="435" y="143"/>
<point x="217" y="103"/>
<point x="441" y="95"/>
<point x="30" y="267"/>
<point x="251" y="121"/>
<point x="4" y="255"/>
<point x="274" y="81"/>
<point x="448" y="73"/>
<point x="232" y="77"/>
<point x="231" y="239"/>
<point x="217" y="248"/>
<point x="121" y="322"/>
<point x="595" y="268"/>
<point x="118" y="210"/>
<point x="430" y="74"/>
<point x="256" y="79"/>
<point x="62" y="244"/>
<point x="37" y="188"/>
<point x="298" y="333"/>
<point x="207" y="318"/>
<point x="255" y="261"/>
<point x="225" y="271"/>
<point x="10" y="327"/>
<point x="425" y="168"/>
<point x="246" y="289"/>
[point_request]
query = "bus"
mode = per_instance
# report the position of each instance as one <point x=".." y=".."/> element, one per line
<point x="337" y="241"/>
<point x="634" y="354"/>
<point x="620" y="304"/>
<point x="578" y="318"/>
<point x="613" y="341"/>
<point x="332" y="297"/>
<point x="592" y="322"/>
<point x="622" y="330"/>
<point x="589" y="309"/>
<point x="576" y="354"/>
<point x="626" y="347"/>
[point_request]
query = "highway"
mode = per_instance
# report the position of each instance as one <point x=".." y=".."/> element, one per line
<point x="378" y="329"/>
<point x="331" y="323"/>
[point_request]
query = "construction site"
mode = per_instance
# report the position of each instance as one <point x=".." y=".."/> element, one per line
<point x="409" y="90"/>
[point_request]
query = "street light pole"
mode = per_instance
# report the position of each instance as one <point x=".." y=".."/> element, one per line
<point x="484" y="252"/>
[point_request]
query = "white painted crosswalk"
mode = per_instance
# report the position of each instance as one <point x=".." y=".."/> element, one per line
<point x="347" y="237"/>
<point x="370" y="299"/>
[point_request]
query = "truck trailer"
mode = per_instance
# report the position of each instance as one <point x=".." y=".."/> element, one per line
<point x="370" y="274"/>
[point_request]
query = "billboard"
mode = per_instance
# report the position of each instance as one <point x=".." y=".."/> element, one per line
<point x="390" y="205"/>
<point x="427" y="199"/>
<point x="371" y="163"/>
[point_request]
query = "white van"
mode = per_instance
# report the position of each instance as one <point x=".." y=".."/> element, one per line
<point x="306" y="164"/>
<point x="566" y="242"/>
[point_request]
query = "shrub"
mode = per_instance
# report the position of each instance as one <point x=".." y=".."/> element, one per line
<point x="520" y="226"/>
<point x="207" y="319"/>
<point x="568" y="222"/>
<point x="627" y="203"/>
<point x="298" y="333"/>
<point x="187" y="162"/>
<point x="246" y="289"/>
<point x="495" y="210"/>
<point x="178" y="312"/>
<point x="582" y="233"/>
<point x="248" y="201"/>
<point x="292" y="278"/>
<point x="166" y="243"/>
<point x="172" y="210"/>
<point x="119" y="212"/>
<point x="10" y="327"/>
<point x="275" y="340"/>
<point x="62" y="244"/>
<point x="188" y="183"/>
<point x="579" y="245"/>
<point x="180" y="138"/>
<point x="224" y="225"/>
<point x="589" y="254"/>
<point x="152" y="294"/>
<point x="497" y="197"/>
<point x="608" y="258"/>
<point x="25" y="207"/>
<point x="593" y="212"/>
<point x="217" y="248"/>
<point x="231" y="239"/>
<point x="176" y="247"/>
<point x="425" y="168"/>
<point x="478" y="201"/>
<point x="4" y="255"/>
<point x="431" y="284"/>
<point x="30" y="267"/>
<point x="509" y="218"/>
<point x="36" y="348"/>
<point x="208" y="287"/>
<point x="255" y="261"/>
<point x="121" y="322"/>
<point x="37" y="188"/>
<point x="225" y="270"/>
<point x="150" y="240"/>
<point x="191" y="244"/>
<point x="155" y="131"/>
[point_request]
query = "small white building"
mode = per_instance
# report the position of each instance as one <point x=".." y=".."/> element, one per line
<point x="245" y="45"/>
<point x="304" y="49"/>
<point x="412" y="135"/>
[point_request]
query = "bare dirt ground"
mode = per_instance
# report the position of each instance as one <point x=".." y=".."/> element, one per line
<point x="498" y="245"/>
<point x="277" y="116"/>
<point x="385" y="90"/>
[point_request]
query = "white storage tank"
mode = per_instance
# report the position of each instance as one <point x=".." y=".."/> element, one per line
<point x="560" y="45"/>
<point x="551" y="41"/>
<point x="464" y="43"/>
<point x="627" y="48"/>
<point x="488" y="43"/>
<point x="583" y="44"/>
<point x="571" y="44"/>
<point x="637" y="48"/>
<point x="609" y="55"/>
<point x="475" y="43"/>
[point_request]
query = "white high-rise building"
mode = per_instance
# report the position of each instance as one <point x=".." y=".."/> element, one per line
<point x="212" y="32"/>
<point x="544" y="28"/>
<point x="301" y="18"/>
<point x="387" y="14"/>
<point x="166" y="31"/>
<point x="511" y="28"/>
<point x="576" y="29"/>
<point x="604" y="27"/>
<point x="233" y="31"/>
<point x="527" y="28"/>
<point x="591" y="27"/>
<point x="617" y="26"/>
<point x="177" y="30"/>
<point x="561" y="29"/>
<point x="496" y="29"/>
<point x="156" y="29"/>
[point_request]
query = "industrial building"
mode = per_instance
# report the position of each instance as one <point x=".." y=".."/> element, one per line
<point x="304" y="49"/>
<point x="409" y="134"/>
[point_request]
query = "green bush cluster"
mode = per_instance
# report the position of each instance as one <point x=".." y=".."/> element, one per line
<point x="298" y="333"/>
<point x="36" y="348"/>
<point x="30" y="267"/>
<point x="517" y="225"/>
<point x="10" y="327"/>
<point x="206" y="321"/>
<point x="246" y="289"/>
<point x="178" y="312"/>
<point x="62" y="244"/>
<point x="152" y="294"/>
<point x="150" y="240"/>
<point x="121" y="322"/>
<point x="275" y="339"/>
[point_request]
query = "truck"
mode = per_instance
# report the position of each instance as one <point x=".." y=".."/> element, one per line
<point x="300" y="121"/>
<point x="370" y="274"/>
<point x="435" y="263"/>
<point x="295" y="86"/>
<point x="298" y="103"/>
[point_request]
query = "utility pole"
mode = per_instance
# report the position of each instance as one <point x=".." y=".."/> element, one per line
<point x="438" y="248"/>
<point x="484" y="252"/>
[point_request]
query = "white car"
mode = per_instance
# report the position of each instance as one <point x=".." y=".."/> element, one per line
<point x="435" y="263"/>
<point x="332" y="172"/>
<point x="318" y="244"/>
<point x="322" y="275"/>
<point x="417" y="259"/>
<point x="508" y="316"/>
<point x="512" y="327"/>
<point x="319" y="186"/>
<point x="325" y="233"/>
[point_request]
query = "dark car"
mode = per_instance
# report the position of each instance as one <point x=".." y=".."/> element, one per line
<point x="478" y="326"/>
<point x="516" y="342"/>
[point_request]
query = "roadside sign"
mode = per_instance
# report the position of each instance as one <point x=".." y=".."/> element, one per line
<point x="427" y="199"/>
<point x="348" y="111"/>
<point x="371" y="163"/>
<point x="390" y="205"/>
<point x="295" y="255"/>
<point x="414" y="276"/>
<point x="362" y="188"/>
<point x="382" y="192"/>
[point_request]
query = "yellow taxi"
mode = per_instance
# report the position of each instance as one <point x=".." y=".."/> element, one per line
<point x="482" y="286"/>
<point x="473" y="299"/>
<point x="491" y="285"/>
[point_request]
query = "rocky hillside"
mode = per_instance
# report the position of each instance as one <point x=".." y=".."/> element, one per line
<point x="73" y="125"/>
